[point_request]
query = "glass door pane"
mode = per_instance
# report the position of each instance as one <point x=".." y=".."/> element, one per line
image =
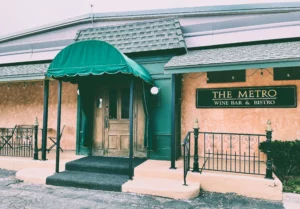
<point x="113" y="104"/>
<point x="125" y="103"/>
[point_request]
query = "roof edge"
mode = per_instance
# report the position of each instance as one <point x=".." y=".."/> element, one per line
<point x="205" y="10"/>
<point x="33" y="77"/>
<point x="235" y="66"/>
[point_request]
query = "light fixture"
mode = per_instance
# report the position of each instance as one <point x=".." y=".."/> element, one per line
<point x="154" y="90"/>
<point x="288" y="75"/>
<point x="232" y="77"/>
<point x="261" y="73"/>
<point x="78" y="91"/>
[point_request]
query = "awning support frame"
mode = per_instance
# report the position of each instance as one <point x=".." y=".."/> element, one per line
<point x="58" y="135"/>
<point x="131" y="128"/>
<point x="45" y="120"/>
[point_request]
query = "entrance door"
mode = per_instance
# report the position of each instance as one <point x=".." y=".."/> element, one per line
<point x="111" y="127"/>
<point x="117" y="122"/>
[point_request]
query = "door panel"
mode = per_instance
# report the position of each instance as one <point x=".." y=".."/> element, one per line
<point x="113" y="142"/>
<point x="124" y="142"/>
<point x="118" y="126"/>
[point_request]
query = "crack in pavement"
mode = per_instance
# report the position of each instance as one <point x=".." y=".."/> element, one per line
<point x="16" y="181"/>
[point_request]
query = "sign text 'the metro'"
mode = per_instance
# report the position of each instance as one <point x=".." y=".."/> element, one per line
<point x="247" y="97"/>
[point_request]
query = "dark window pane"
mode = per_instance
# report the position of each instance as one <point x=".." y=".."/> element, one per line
<point x="226" y="76"/>
<point x="113" y="104"/>
<point x="125" y="104"/>
<point x="287" y="73"/>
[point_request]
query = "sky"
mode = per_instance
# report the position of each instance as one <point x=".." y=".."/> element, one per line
<point x="18" y="15"/>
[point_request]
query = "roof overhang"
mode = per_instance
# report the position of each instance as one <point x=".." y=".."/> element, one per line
<point x="285" y="54"/>
<point x="23" y="72"/>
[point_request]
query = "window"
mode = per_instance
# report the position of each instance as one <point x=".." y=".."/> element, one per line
<point x="226" y="76"/>
<point x="287" y="73"/>
<point x="125" y="103"/>
<point x="113" y="104"/>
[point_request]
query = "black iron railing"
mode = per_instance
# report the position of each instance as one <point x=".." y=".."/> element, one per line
<point x="186" y="155"/>
<point x="227" y="152"/>
<point x="20" y="141"/>
<point x="232" y="152"/>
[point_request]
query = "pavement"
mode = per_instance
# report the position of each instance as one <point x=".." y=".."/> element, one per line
<point x="291" y="201"/>
<point x="19" y="163"/>
<point x="15" y="194"/>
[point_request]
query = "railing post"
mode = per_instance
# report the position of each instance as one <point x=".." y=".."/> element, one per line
<point x="196" y="157"/>
<point x="269" y="161"/>
<point x="36" y="150"/>
<point x="184" y="165"/>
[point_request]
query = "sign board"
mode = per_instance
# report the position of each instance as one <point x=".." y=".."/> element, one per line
<point x="247" y="97"/>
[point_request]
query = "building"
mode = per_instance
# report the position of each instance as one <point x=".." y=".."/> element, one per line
<point x="238" y="64"/>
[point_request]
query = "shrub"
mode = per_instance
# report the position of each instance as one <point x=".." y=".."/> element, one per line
<point x="285" y="156"/>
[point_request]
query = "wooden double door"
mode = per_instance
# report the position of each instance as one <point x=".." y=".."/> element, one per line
<point x="112" y="125"/>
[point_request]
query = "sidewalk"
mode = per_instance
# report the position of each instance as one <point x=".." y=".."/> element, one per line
<point x="18" y="163"/>
<point x="291" y="200"/>
<point x="36" y="171"/>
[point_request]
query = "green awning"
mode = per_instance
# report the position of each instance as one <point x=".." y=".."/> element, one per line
<point x="93" y="57"/>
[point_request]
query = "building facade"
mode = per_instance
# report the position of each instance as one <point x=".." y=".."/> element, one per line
<point x="218" y="49"/>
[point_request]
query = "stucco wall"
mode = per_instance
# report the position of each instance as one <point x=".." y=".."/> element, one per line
<point x="20" y="105"/>
<point x="285" y="121"/>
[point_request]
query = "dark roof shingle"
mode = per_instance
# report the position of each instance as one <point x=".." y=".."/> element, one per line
<point x="159" y="34"/>
<point x="23" y="70"/>
<point x="237" y="54"/>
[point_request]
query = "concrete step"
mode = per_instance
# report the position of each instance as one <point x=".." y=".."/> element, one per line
<point x="88" y="180"/>
<point x="162" y="187"/>
<point x="34" y="175"/>
<point x="158" y="169"/>
<point x="99" y="164"/>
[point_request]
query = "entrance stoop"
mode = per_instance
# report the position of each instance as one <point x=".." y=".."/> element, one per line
<point x="154" y="177"/>
<point x="162" y="187"/>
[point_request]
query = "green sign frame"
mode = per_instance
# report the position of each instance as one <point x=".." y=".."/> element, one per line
<point x="247" y="97"/>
